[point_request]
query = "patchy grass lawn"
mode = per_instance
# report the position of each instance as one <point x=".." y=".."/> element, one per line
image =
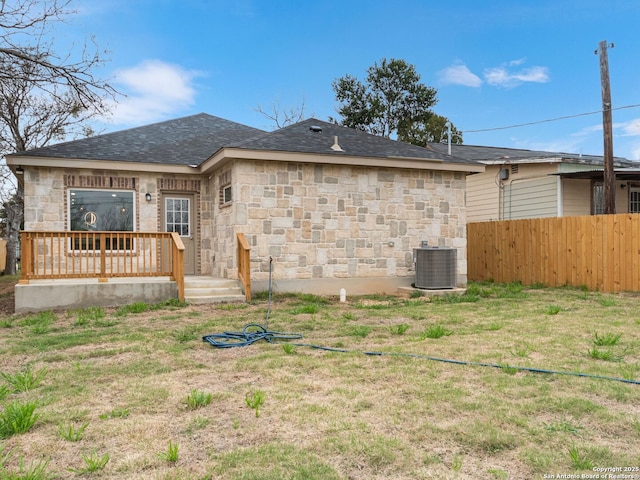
<point x="134" y="392"/>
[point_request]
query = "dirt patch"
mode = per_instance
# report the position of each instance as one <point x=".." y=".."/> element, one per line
<point x="7" y="298"/>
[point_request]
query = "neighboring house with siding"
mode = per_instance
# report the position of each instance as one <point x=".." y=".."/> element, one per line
<point x="520" y="183"/>
<point x="334" y="207"/>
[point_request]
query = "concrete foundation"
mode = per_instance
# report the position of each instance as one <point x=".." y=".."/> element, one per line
<point x="353" y="286"/>
<point x="40" y="295"/>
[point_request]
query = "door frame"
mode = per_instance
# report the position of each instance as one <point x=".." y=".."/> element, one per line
<point x="191" y="254"/>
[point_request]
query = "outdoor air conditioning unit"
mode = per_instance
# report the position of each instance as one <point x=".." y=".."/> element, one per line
<point x="435" y="267"/>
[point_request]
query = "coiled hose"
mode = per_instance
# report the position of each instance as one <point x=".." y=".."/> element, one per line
<point x="254" y="332"/>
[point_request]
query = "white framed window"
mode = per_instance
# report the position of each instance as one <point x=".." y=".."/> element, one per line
<point x="597" y="198"/>
<point x="177" y="216"/>
<point x="226" y="195"/>
<point x="226" y="192"/>
<point x="634" y="200"/>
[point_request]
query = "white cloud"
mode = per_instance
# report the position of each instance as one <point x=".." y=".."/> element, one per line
<point x="504" y="76"/>
<point x="631" y="128"/>
<point x="154" y="90"/>
<point x="586" y="131"/>
<point x="635" y="153"/>
<point x="507" y="75"/>
<point x="459" y="74"/>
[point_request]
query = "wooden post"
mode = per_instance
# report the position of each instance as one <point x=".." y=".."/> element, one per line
<point x="244" y="264"/>
<point x="607" y="129"/>
<point x="26" y="258"/>
<point x="102" y="277"/>
<point x="177" y="261"/>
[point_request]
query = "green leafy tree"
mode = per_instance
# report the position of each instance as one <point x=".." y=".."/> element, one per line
<point x="436" y="130"/>
<point x="391" y="101"/>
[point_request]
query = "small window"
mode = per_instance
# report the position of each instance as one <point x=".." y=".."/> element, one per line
<point x="597" y="198"/>
<point x="178" y="216"/>
<point x="226" y="192"/>
<point x="634" y="200"/>
<point x="225" y="195"/>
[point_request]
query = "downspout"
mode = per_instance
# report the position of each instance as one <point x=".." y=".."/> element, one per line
<point x="560" y="199"/>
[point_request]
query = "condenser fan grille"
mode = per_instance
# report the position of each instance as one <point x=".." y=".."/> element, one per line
<point x="435" y="267"/>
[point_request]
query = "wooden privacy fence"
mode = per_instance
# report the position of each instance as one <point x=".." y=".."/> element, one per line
<point x="3" y="255"/>
<point x="601" y="252"/>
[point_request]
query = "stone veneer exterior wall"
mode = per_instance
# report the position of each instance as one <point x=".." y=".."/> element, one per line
<point x="45" y="195"/>
<point x="316" y="221"/>
<point x="340" y="222"/>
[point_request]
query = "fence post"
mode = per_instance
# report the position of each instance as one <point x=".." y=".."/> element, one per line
<point x="177" y="261"/>
<point x="244" y="265"/>
<point x="102" y="278"/>
<point x="26" y="258"/>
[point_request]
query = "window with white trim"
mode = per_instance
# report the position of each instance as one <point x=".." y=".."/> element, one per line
<point x="634" y="200"/>
<point x="177" y="216"/>
<point x="597" y="198"/>
<point x="226" y="192"/>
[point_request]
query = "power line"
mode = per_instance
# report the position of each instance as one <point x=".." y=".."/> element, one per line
<point x="547" y="120"/>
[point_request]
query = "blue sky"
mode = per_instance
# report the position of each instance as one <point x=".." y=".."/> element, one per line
<point x="494" y="63"/>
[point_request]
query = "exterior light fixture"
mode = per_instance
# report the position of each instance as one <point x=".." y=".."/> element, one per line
<point x="20" y="170"/>
<point x="147" y="197"/>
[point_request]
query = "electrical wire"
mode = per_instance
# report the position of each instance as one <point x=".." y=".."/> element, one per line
<point x="254" y="332"/>
<point x="566" y="117"/>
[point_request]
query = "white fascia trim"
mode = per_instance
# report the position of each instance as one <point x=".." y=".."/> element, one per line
<point x="512" y="161"/>
<point x="52" y="162"/>
<point x="225" y="155"/>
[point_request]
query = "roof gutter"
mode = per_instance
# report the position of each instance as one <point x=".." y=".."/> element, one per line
<point x="225" y="155"/>
<point x="14" y="162"/>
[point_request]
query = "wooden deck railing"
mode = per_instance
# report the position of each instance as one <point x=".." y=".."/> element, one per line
<point x="244" y="265"/>
<point x="102" y="255"/>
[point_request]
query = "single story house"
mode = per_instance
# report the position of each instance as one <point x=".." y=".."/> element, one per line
<point x="321" y="206"/>
<point x="519" y="184"/>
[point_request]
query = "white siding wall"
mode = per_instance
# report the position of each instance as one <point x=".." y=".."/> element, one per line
<point x="576" y="197"/>
<point x="531" y="198"/>
<point x="483" y="197"/>
<point x="529" y="192"/>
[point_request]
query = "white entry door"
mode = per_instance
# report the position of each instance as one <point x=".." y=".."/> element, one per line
<point x="178" y="217"/>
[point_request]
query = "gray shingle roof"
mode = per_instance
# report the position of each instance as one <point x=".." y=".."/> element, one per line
<point x="506" y="155"/>
<point x="183" y="141"/>
<point x="192" y="140"/>
<point x="317" y="137"/>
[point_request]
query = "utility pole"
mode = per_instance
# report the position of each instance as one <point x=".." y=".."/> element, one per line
<point x="607" y="129"/>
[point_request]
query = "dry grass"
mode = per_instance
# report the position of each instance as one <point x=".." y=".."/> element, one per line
<point x="331" y="415"/>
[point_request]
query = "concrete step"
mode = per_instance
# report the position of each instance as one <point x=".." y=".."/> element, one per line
<point x="203" y="290"/>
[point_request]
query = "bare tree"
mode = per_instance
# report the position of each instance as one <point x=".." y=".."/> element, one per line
<point x="281" y="117"/>
<point x="25" y="37"/>
<point x="44" y="96"/>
